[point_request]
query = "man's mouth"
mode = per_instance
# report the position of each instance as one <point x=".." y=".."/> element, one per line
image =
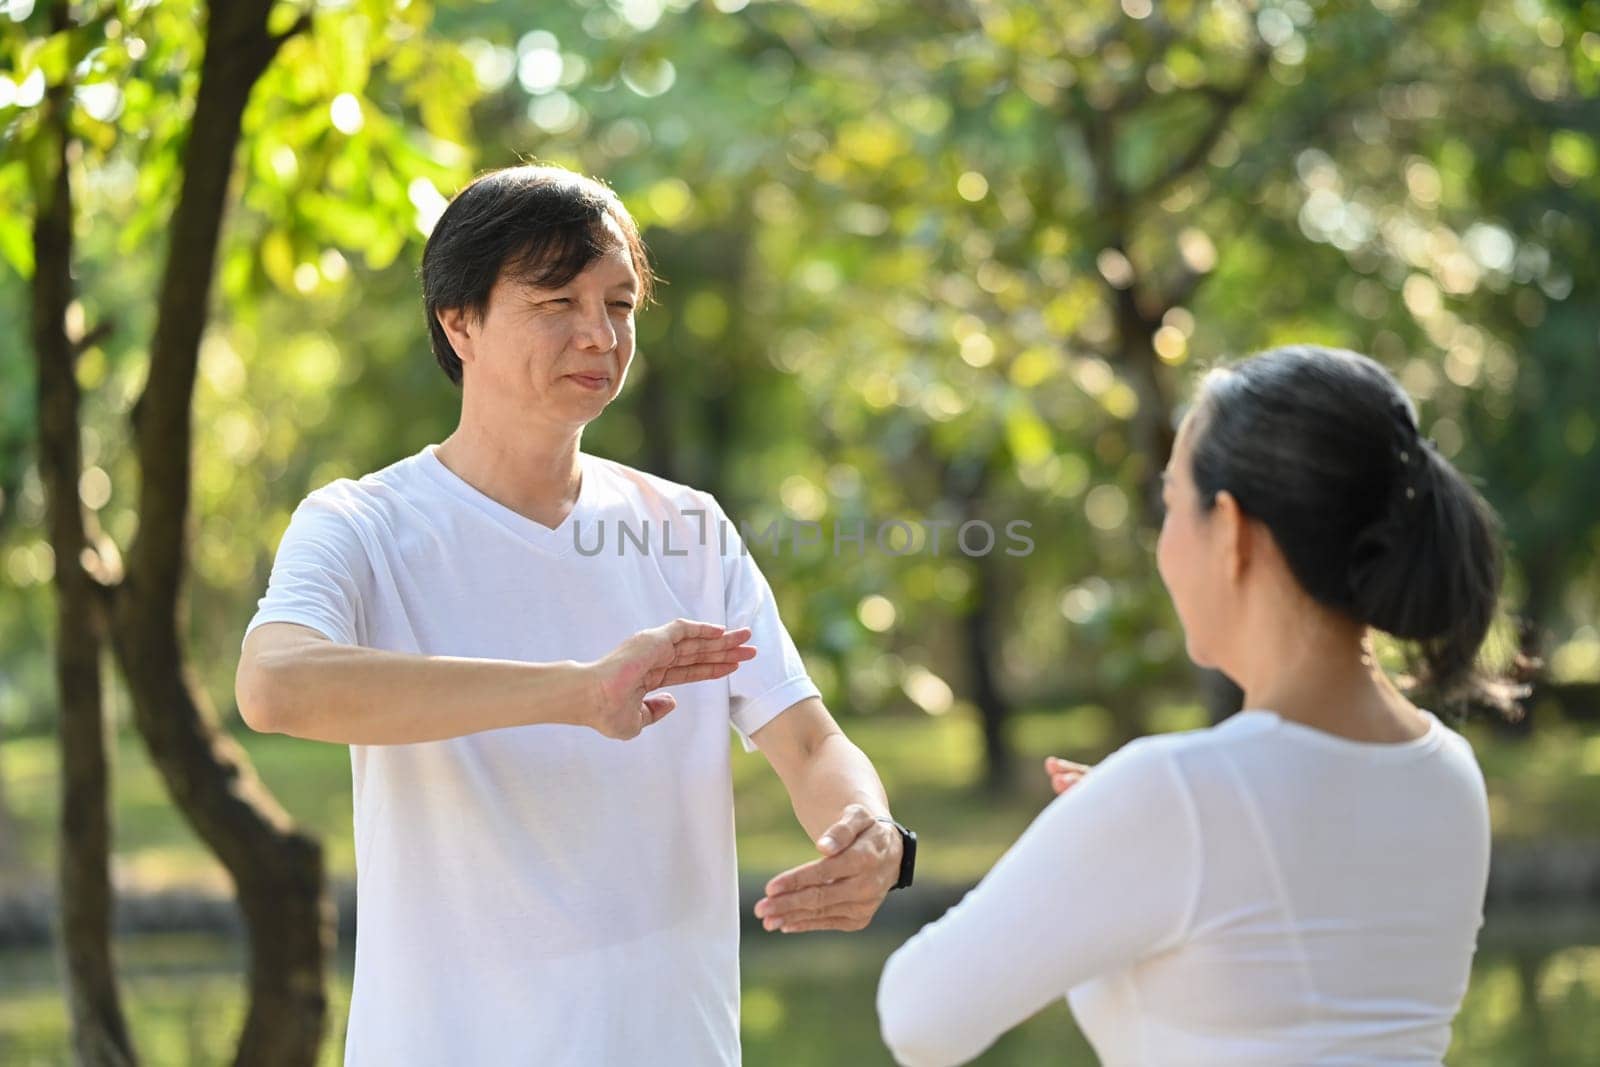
<point x="592" y="381"/>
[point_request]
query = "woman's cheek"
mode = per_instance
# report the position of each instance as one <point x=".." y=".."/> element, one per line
<point x="1164" y="553"/>
<point x="1172" y="565"/>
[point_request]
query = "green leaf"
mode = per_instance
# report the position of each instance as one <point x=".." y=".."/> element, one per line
<point x="1026" y="435"/>
<point x="16" y="243"/>
<point x="278" y="259"/>
<point x="54" y="57"/>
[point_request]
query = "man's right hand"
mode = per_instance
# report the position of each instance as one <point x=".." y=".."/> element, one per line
<point x="673" y="654"/>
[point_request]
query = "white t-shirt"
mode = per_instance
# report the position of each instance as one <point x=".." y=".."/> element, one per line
<point x="540" y="894"/>
<point x="1257" y="893"/>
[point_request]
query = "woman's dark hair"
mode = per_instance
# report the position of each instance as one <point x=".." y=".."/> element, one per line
<point x="1321" y="445"/>
<point x="539" y="225"/>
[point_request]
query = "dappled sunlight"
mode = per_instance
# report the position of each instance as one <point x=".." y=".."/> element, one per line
<point x="924" y="266"/>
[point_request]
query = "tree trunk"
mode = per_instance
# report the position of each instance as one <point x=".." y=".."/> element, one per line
<point x="1152" y="428"/>
<point x="982" y="633"/>
<point x="278" y="871"/>
<point x="99" y="1029"/>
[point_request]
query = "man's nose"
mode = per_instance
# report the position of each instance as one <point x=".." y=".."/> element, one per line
<point x="595" y="331"/>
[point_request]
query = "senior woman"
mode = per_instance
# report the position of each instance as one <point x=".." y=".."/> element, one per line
<point x="1304" y="882"/>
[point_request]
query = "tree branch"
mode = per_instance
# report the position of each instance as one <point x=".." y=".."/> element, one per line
<point x="277" y="869"/>
<point x="99" y="1028"/>
<point x="99" y="333"/>
<point x="301" y="25"/>
<point x="1162" y="35"/>
<point x="238" y="51"/>
<point x="1228" y="102"/>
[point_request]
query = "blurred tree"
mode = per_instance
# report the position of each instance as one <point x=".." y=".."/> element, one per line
<point x="925" y="261"/>
<point x="163" y="94"/>
<point x="100" y="1034"/>
<point x="996" y="241"/>
<point x="960" y="260"/>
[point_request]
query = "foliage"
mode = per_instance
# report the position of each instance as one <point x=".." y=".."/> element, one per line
<point x="896" y="281"/>
<point x="928" y="262"/>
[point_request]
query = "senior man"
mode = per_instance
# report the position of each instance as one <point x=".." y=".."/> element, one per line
<point x="545" y="856"/>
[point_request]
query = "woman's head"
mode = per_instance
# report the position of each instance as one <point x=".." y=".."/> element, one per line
<point x="1310" y="457"/>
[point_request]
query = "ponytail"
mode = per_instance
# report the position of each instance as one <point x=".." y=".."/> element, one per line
<point x="1429" y="573"/>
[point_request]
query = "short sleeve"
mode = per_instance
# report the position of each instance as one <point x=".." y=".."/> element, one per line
<point x="1106" y="876"/>
<point x="319" y="575"/>
<point x="776" y="679"/>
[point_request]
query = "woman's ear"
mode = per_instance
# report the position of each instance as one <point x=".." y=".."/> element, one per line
<point x="456" y="323"/>
<point x="1233" y="534"/>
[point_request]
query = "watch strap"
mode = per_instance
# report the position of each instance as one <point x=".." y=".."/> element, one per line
<point x="908" y="854"/>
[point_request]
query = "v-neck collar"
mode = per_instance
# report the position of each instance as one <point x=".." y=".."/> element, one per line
<point x="557" y="540"/>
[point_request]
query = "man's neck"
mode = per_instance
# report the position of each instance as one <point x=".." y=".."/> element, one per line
<point x="534" y="473"/>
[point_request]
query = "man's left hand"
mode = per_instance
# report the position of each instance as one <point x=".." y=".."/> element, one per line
<point x="842" y="891"/>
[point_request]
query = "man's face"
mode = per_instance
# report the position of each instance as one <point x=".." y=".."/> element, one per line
<point x="555" y="355"/>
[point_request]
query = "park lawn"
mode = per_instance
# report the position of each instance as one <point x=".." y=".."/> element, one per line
<point x="1545" y="786"/>
<point x="807" y="1002"/>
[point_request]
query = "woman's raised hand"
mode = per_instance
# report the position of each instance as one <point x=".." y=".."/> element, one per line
<point x="1064" y="774"/>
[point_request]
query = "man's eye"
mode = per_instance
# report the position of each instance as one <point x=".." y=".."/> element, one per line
<point x="623" y="304"/>
<point x="559" y="300"/>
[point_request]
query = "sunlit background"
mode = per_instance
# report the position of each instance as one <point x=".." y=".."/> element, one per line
<point x="928" y="261"/>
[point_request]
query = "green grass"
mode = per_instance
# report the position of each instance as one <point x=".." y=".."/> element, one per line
<point x="929" y="767"/>
<point x="153" y="846"/>
<point x="183" y="995"/>
<point x="1546" y="785"/>
<point x="808" y="1002"/>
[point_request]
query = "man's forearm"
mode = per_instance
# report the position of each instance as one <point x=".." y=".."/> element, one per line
<point x="837" y="797"/>
<point x="362" y="696"/>
<point x="836" y="775"/>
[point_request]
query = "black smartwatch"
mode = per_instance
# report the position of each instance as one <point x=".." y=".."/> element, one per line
<point x="908" y="854"/>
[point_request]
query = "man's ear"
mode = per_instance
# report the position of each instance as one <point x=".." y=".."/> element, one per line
<point x="458" y="324"/>
<point x="1235" y="532"/>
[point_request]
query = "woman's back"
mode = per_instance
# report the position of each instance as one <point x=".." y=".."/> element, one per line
<point x="1339" y="891"/>
<point x="1260" y="892"/>
<point x="1263" y="892"/>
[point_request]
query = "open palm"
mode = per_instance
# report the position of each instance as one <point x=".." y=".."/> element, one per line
<point x="675" y="653"/>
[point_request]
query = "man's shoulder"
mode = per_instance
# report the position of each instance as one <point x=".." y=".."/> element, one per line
<point x="376" y="491"/>
<point x="649" y="489"/>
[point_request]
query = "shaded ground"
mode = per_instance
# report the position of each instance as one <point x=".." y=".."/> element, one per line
<point x="1534" y="998"/>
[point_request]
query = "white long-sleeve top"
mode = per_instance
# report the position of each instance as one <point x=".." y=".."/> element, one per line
<point x="1260" y="892"/>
